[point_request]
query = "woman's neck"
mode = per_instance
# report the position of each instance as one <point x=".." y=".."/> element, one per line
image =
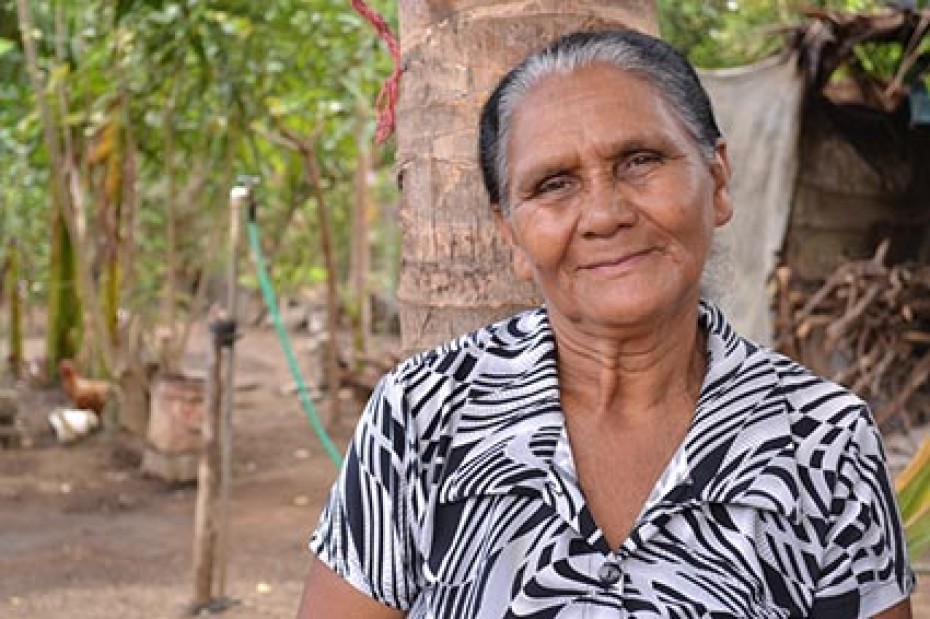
<point x="632" y="375"/>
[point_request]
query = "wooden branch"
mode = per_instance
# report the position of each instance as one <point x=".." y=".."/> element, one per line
<point x="911" y="53"/>
<point x="918" y="378"/>
<point x="841" y="326"/>
<point x="916" y="337"/>
<point x="804" y="329"/>
<point x="876" y="372"/>
<point x="855" y="269"/>
<point x="874" y="316"/>
<point x="788" y="343"/>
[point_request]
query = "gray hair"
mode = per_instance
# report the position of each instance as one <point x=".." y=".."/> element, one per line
<point x="626" y="50"/>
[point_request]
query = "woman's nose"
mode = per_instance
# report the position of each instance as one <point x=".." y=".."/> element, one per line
<point x="606" y="208"/>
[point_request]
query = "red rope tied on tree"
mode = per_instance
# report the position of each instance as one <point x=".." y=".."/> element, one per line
<point x="387" y="98"/>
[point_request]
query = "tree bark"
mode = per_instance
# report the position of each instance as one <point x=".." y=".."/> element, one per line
<point x="456" y="273"/>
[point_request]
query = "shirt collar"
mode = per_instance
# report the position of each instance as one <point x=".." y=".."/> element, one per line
<point x="739" y="449"/>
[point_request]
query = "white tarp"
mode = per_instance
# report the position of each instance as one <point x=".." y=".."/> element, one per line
<point x="758" y="108"/>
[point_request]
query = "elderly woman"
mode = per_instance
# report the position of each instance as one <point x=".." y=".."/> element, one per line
<point x="619" y="451"/>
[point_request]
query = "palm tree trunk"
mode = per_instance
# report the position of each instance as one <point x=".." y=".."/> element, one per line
<point x="456" y="269"/>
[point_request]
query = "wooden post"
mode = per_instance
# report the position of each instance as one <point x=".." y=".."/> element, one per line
<point x="211" y="521"/>
<point x="240" y="198"/>
<point x="205" y="519"/>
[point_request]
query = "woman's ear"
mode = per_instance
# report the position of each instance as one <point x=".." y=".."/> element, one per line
<point x="720" y="170"/>
<point x="521" y="265"/>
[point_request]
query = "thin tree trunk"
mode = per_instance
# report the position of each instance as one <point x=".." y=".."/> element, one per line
<point x="126" y="238"/>
<point x="360" y="259"/>
<point x="198" y="300"/>
<point x="297" y="196"/>
<point x="75" y="220"/>
<point x="171" y="243"/>
<point x="334" y="371"/>
<point x="111" y="227"/>
<point x="127" y="243"/>
<point x="16" y="309"/>
<point x="80" y="264"/>
<point x="456" y="269"/>
<point x="71" y="179"/>
<point x="99" y="326"/>
<point x="192" y="193"/>
<point x="64" y="315"/>
<point x="276" y="240"/>
<point x="314" y="176"/>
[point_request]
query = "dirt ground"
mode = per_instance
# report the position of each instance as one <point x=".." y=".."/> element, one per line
<point x="85" y="535"/>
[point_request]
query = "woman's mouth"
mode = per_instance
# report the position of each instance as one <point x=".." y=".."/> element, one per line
<point x="620" y="263"/>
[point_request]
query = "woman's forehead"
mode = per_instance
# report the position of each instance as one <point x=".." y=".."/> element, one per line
<point x="562" y="78"/>
<point x="602" y="88"/>
<point x="596" y="104"/>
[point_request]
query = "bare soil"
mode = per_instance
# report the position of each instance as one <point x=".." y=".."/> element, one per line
<point x="85" y="535"/>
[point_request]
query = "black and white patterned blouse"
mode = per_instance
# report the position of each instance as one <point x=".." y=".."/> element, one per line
<point x="459" y="498"/>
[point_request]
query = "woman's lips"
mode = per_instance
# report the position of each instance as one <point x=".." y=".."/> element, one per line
<point x="614" y="264"/>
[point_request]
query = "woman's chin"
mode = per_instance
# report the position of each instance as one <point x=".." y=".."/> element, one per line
<point x="610" y="312"/>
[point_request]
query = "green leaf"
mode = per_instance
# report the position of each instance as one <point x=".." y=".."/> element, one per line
<point x="124" y="7"/>
<point x="913" y="489"/>
<point x="918" y="535"/>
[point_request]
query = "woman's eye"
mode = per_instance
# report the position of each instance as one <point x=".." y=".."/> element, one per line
<point x="553" y="184"/>
<point x="640" y="160"/>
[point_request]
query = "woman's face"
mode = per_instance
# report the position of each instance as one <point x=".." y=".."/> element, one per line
<point x="613" y="205"/>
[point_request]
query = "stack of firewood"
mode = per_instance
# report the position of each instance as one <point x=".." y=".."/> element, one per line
<point x="868" y="327"/>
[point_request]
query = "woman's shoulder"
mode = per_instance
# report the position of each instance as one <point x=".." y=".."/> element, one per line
<point x="429" y="392"/>
<point x="498" y="346"/>
<point x="815" y="397"/>
<point x="829" y="424"/>
<point x="819" y="434"/>
<point x="770" y="381"/>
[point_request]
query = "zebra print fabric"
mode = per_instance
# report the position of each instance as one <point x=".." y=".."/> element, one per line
<point x="459" y="497"/>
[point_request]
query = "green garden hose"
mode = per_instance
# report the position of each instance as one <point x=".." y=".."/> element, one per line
<point x="272" y="303"/>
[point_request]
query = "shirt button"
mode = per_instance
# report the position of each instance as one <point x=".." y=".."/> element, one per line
<point x="609" y="573"/>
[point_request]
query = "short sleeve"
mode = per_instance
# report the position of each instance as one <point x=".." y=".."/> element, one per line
<point x="865" y="568"/>
<point x="363" y="534"/>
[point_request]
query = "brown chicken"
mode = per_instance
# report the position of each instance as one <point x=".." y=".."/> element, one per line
<point x="84" y="393"/>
